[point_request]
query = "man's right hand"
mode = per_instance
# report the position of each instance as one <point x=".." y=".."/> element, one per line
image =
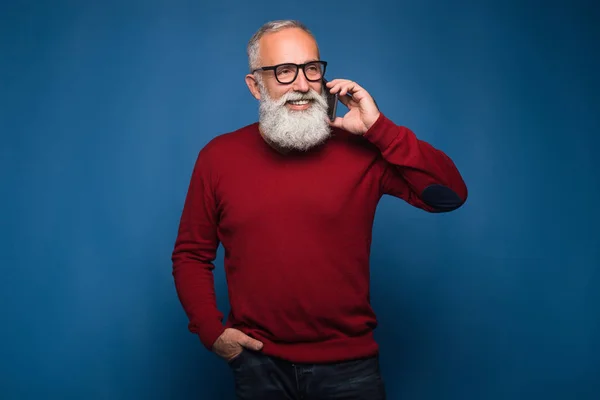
<point x="232" y="342"/>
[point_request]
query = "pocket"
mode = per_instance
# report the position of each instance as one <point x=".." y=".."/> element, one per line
<point x="236" y="359"/>
<point x="360" y="370"/>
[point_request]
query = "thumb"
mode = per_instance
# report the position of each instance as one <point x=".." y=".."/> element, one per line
<point x="338" y="122"/>
<point x="251" y="343"/>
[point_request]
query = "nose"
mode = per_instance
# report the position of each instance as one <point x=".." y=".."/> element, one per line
<point x="301" y="84"/>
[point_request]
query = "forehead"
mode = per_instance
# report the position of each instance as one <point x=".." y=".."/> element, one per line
<point x="289" y="45"/>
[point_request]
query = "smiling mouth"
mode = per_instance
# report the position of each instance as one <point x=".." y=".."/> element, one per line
<point x="299" y="102"/>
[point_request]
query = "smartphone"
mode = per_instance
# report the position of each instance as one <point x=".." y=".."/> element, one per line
<point x="332" y="101"/>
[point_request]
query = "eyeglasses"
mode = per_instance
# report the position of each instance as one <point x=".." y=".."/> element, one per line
<point x="288" y="72"/>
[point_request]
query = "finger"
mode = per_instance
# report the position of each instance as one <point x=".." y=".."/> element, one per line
<point x="331" y="83"/>
<point x="351" y="88"/>
<point x="337" y="84"/>
<point x="251" y="343"/>
<point x="334" y="87"/>
<point x="346" y="100"/>
<point x="345" y="89"/>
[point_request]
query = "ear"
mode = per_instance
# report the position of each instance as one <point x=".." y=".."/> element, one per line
<point x="253" y="86"/>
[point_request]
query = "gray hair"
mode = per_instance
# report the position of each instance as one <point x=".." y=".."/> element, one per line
<point x="272" y="26"/>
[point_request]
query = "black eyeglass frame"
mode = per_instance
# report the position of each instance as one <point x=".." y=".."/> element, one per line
<point x="298" y="68"/>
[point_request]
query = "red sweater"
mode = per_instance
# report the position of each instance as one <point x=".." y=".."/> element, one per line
<point x="296" y="230"/>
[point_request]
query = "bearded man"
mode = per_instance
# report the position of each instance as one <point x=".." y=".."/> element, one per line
<point x="292" y="200"/>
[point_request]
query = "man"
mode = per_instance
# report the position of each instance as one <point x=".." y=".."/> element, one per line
<point x="292" y="199"/>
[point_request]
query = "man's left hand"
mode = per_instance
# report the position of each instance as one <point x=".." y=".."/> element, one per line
<point x="363" y="111"/>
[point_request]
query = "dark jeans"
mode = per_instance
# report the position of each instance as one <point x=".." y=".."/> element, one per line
<point x="260" y="377"/>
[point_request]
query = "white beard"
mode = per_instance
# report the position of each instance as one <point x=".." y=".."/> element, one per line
<point x="294" y="129"/>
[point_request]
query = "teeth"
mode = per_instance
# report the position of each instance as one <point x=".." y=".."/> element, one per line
<point x="299" y="102"/>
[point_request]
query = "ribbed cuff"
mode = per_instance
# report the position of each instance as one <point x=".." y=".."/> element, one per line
<point x="382" y="133"/>
<point x="209" y="332"/>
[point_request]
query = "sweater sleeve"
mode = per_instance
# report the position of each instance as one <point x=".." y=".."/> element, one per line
<point x="415" y="171"/>
<point x="195" y="250"/>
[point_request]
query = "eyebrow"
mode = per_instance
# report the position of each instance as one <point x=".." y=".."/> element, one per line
<point x="305" y="61"/>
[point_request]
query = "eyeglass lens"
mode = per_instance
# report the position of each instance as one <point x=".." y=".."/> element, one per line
<point x="287" y="73"/>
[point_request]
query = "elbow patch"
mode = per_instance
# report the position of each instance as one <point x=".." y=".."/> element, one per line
<point x="441" y="197"/>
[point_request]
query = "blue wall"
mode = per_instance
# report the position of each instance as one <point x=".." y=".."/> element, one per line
<point x="104" y="106"/>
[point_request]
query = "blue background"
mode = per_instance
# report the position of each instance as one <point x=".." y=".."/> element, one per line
<point x="104" y="106"/>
